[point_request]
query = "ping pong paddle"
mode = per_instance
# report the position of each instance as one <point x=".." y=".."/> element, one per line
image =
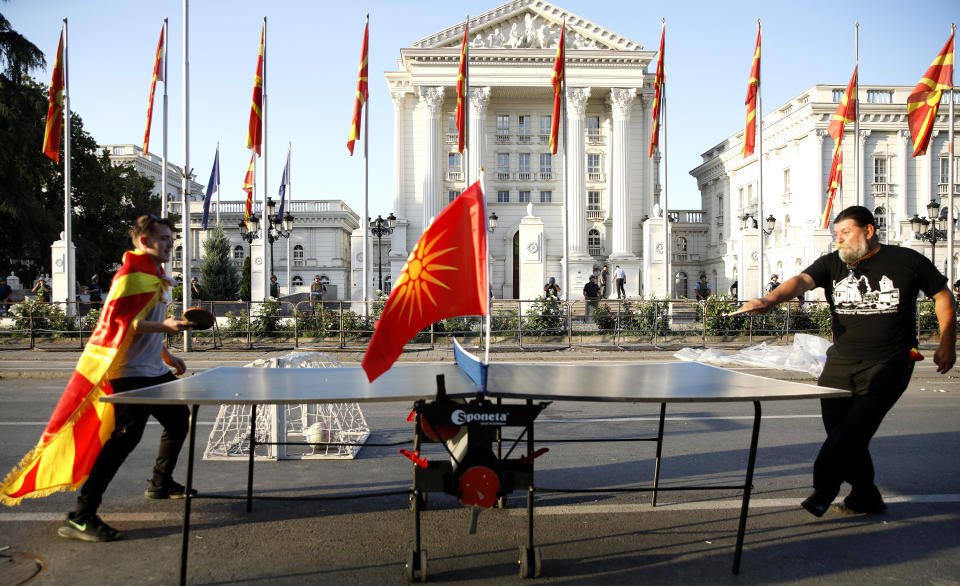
<point x="202" y="318"/>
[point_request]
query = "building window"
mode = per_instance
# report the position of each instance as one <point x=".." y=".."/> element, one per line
<point x="593" y="242"/>
<point x="786" y="181"/>
<point x="750" y="194"/>
<point x="297" y="281"/>
<point x="838" y="95"/>
<point x="523" y="167"/>
<point x="593" y="129"/>
<point x="238" y="252"/>
<point x="298" y="255"/>
<point x="454" y="167"/>
<point x="524" y="196"/>
<point x="593" y="167"/>
<point x="503" y="196"/>
<point x="546" y="197"/>
<point x="545" y="128"/>
<point x="879" y="96"/>
<point x="452" y="195"/>
<point x="452" y="129"/>
<point x="524" y="124"/>
<point x="178" y="255"/>
<point x="680" y="284"/>
<point x="880" y="170"/>
<point x="593" y="200"/>
<point x="118" y="150"/>
<point x="503" y="166"/>
<point x="546" y="167"/>
<point x="503" y="128"/>
<point x="880" y="216"/>
<point x="945" y="176"/>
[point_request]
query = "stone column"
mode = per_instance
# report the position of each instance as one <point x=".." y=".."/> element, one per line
<point x="864" y="173"/>
<point x="820" y="181"/>
<point x="399" y="125"/>
<point x="477" y="148"/>
<point x="621" y="102"/>
<point x="431" y="101"/>
<point x="904" y="192"/>
<point x="576" y="172"/>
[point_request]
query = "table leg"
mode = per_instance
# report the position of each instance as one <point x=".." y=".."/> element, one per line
<point x="253" y="449"/>
<point x="185" y="540"/>
<point x="656" y="466"/>
<point x="747" y="485"/>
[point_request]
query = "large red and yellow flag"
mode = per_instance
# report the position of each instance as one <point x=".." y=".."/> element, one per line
<point x="846" y="110"/>
<point x="753" y="85"/>
<point x="81" y="423"/>
<point x="362" y="92"/>
<point x="445" y="276"/>
<point x="51" y="134"/>
<point x="255" y="126"/>
<point x="559" y="71"/>
<point x="924" y="101"/>
<point x="461" y="93"/>
<point x="157" y="76"/>
<point x="657" y="95"/>
<point x="248" y="182"/>
<point x="834" y="182"/>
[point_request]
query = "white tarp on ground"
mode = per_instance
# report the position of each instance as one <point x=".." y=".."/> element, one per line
<point x="808" y="354"/>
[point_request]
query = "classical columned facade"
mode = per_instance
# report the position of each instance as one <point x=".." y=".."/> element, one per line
<point x="609" y="182"/>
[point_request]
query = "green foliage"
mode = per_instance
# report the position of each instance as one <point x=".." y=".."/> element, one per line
<point x="89" y="321"/>
<point x="322" y="322"/>
<point x="37" y="315"/>
<point x="461" y="326"/>
<point x="245" y="282"/>
<point x="719" y="321"/>
<point x="927" y="317"/>
<point x="643" y="317"/>
<point x="236" y="322"/>
<point x="219" y="279"/>
<point x="605" y="318"/>
<point x="354" y="323"/>
<point x="504" y="320"/>
<point x="267" y="319"/>
<point x="544" y="316"/>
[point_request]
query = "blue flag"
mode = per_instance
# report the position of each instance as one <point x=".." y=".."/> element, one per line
<point x="212" y="185"/>
<point x="284" y="184"/>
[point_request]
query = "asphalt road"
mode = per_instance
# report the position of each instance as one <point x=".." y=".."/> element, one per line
<point x="585" y="538"/>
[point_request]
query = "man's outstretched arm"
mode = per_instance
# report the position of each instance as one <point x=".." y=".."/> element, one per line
<point x="789" y="289"/>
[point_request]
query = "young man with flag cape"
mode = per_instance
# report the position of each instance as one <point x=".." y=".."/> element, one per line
<point x="87" y="440"/>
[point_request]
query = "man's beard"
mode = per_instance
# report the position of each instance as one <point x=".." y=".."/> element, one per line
<point x="852" y="253"/>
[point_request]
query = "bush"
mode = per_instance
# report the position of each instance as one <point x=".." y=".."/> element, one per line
<point x="719" y="320"/>
<point x="927" y="317"/>
<point x="89" y="321"/>
<point x="605" y="318"/>
<point x="545" y="316"/>
<point x="39" y="315"/>
<point x="505" y="320"/>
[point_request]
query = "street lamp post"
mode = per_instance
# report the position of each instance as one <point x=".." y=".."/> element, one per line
<point x="929" y="228"/>
<point x="250" y="232"/>
<point x="381" y="228"/>
<point x="277" y="227"/>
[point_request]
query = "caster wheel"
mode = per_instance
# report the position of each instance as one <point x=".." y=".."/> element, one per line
<point x="417" y="566"/>
<point x="530" y="562"/>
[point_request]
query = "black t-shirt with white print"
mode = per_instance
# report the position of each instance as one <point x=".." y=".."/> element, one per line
<point x="873" y="304"/>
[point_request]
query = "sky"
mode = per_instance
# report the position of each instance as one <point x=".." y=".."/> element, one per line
<point x="313" y="53"/>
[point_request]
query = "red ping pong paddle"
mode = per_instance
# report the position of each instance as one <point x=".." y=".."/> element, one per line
<point x="202" y="318"/>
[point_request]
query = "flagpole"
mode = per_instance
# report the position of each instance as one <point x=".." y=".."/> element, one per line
<point x="759" y="122"/>
<point x="466" y="105"/>
<point x="217" y="159"/>
<point x="489" y="292"/>
<point x="856" y="118"/>
<point x="185" y="195"/>
<point x="67" y="214"/>
<point x="666" y="218"/>
<point x="163" y="162"/>
<point x="951" y="174"/>
<point x="288" y="191"/>
<point x="566" y="178"/>
<point x="265" y="226"/>
<point x="365" y="221"/>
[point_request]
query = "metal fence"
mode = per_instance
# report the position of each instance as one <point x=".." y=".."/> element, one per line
<point x="515" y="324"/>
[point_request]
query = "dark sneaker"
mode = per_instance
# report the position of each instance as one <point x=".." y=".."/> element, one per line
<point x="167" y="490"/>
<point x="815" y="506"/>
<point x="90" y="528"/>
<point x="855" y="506"/>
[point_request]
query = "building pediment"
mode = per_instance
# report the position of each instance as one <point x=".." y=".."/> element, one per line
<point x="529" y="24"/>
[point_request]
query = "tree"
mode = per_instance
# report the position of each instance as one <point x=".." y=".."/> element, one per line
<point x="18" y="56"/>
<point x="218" y="276"/>
<point x="245" y="284"/>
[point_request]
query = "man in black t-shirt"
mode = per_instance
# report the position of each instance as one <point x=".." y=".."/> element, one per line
<point x="591" y="292"/>
<point x="872" y="290"/>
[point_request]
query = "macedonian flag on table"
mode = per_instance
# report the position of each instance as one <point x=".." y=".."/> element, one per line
<point x="445" y="276"/>
<point x="81" y="423"/>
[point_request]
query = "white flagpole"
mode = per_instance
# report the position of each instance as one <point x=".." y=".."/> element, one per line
<point x="217" y="159"/>
<point x="759" y="122"/>
<point x="465" y="155"/>
<point x="265" y="224"/>
<point x="185" y="195"/>
<point x="164" y="205"/>
<point x="365" y="220"/>
<point x="71" y="270"/>
<point x="289" y="190"/>
<point x="486" y="353"/>
<point x="952" y="175"/>
<point x="667" y="249"/>
<point x="856" y="118"/>
<point x="566" y="181"/>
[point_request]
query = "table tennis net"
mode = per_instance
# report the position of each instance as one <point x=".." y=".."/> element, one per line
<point x="317" y="424"/>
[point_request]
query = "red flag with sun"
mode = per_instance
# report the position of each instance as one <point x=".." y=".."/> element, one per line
<point x="445" y="276"/>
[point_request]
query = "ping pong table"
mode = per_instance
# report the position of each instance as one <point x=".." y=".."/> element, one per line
<point x="663" y="383"/>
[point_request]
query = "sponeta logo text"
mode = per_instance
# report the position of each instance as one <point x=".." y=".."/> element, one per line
<point x="459" y="417"/>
